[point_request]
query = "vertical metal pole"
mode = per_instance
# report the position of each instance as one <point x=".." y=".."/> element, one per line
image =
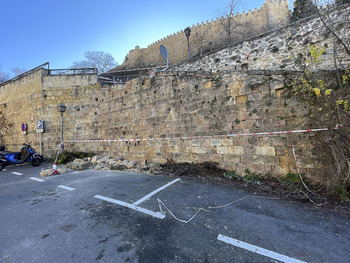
<point x="40" y="145"/>
<point x="167" y="58"/>
<point x="188" y="46"/>
<point x="62" y="127"/>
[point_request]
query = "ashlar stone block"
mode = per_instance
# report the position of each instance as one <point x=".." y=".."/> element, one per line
<point x="264" y="160"/>
<point x="242" y="99"/>
<point x="227" y="142"/>
<point x="222" y="150"/>
<point x="236" y="150"/>
<point x="265" y="150"/>
<point x="215" y="142"/>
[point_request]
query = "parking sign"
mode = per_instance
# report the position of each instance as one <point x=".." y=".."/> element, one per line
<point x="39" y="126"/>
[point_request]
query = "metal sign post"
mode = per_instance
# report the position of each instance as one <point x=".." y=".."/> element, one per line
<point x="24" y="131"/>
<point x="40" y="130"/>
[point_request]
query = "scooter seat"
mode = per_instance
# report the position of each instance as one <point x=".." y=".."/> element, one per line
<point x="4" y="153"/>
<point x="17" y="154"/>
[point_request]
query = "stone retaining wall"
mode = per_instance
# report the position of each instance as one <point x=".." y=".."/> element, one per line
<point x="186" y="104"/>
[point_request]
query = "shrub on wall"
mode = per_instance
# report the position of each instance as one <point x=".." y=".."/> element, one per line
<point x="328" y="99"/>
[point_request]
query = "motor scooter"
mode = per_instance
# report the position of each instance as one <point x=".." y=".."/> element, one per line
<point x="27" y="154"/>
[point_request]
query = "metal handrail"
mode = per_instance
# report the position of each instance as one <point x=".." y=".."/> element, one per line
<point x="73" y="71"/>
<point x="26" y="73"/>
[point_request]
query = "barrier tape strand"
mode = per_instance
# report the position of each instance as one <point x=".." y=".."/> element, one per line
<point x="338" y="126"/>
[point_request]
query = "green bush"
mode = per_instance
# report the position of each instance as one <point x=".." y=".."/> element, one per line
<point x="252" y="178"/>
<point x="66" y="157"/>
<point x="342" y="193"/>
<point x="292" y="180"/>
<point x="248" y="178"/>
<point x="233" y="175"/>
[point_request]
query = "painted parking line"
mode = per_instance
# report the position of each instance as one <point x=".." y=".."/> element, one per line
<point x="258" y="250"/>
<point x="36" y="179"/>
<point x="16" y="173"/>
<point x="131" y="206"/>
<point x="66" y="187"/>
<point x="155" y="191"/>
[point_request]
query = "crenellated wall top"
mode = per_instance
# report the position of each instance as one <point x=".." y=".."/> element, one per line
<point x="251" y="14"/>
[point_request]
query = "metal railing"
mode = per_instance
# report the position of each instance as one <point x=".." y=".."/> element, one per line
<point x="73" y="71"/>
<point x="123" y="76"/>
<point x="26" y="73"/>
<point x="55" y="72"/>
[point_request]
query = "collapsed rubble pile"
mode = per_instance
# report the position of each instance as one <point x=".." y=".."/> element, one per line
<point x="108" y="163"/>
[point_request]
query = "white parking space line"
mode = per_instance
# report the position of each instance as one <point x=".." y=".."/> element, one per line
<point x="258" y="250"/>
<point x="16" y="173"/>
<point x="36" y="179"/>
<point x="155" y="191"/>
<point x="131" y="206"/>
<point x="66" y="187"/>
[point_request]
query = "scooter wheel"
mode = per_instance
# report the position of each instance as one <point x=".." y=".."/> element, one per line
<point x="40" y="158"/>
<point x="36" y="162"/>
<point x="2" y="166"/>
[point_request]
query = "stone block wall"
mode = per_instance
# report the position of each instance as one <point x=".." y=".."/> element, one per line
<point x="35" y="97"/>
<point x="197" y="104"/>
<point x="191" y="104"/>
<point x="174" y="105"/>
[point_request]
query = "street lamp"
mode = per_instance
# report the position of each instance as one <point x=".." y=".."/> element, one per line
<point x="188" y="33"/>
<point x="61" y="108"/>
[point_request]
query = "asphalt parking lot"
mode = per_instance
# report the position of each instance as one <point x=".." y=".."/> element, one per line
<point x="96" y="216"/>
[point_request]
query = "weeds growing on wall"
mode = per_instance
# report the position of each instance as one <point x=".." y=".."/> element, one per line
<point x="5" y="126"/>
<point x="328" y="96"/>
<point x="67" y="157"/>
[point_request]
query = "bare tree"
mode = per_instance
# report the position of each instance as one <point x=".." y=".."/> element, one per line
<point x="96" y="59"/>
<point x="328" y="94"/>
<point x="200" y="41"/>
<point x="18" y="71"/>
<point x="324" y="10"/>
<point x="303" y="9"/>
<point x="233" y="27"/>
<point x="4" y="76"/>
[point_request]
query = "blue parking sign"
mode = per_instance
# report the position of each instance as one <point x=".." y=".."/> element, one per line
<point x="40" y="126"/>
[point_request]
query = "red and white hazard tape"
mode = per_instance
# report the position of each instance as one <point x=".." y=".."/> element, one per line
<point x="338" y="126"/>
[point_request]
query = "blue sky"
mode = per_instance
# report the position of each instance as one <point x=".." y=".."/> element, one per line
<point x="60" y="32"/>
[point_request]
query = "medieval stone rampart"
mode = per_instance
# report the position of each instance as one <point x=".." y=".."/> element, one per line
<point x="211" y="34"/>
<point x="282" y="48"/>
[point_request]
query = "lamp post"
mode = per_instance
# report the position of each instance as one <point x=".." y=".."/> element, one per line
<point x="188" y="33"/>
<point x="61" y="108"/>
